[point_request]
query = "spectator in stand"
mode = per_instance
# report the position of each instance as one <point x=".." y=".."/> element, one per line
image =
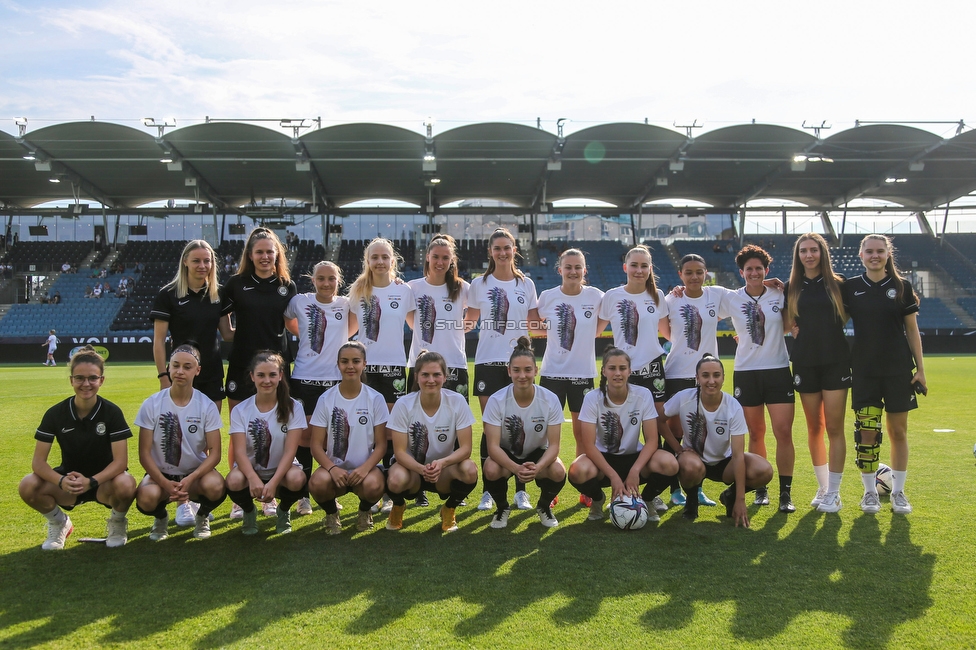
<point x="66" y="268"/>
<point x="96" y="291"/>
<point x="56" y="298"/>
<point x="139" y="267"/>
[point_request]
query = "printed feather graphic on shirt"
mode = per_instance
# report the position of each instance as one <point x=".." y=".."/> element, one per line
<point x="316" y="327"/>
<point x="370" y="327"/>
<point x="339" y="426"/>
<point x="172" y="438"/>
<point x="755" y="322"/>
<point x="417" y="441"/>
<point x="697" y="430"/>
<point x="426" y="315"/>
<point x="693" y="326"/>
<point x="565" y="325"/>
<point x="514" y="434"/>
<point x="498" y="313"/>
<point x="613" y="432"/>
<point x="260" y="436"/>
<point x="629" y="318"/>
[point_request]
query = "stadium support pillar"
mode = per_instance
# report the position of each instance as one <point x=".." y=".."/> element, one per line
<point x="924" y="224"/>
<point x="742" y="227"/>
<point x="213" y="213"/>
<point x="829" y="227"/>
<point x="843" y="227"/>
<point x="785" y="228"/>
<point x="639" y="224"/>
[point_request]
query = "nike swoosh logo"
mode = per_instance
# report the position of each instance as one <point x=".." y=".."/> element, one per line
<point x="845" y="378"/>
<point x="67" y="430"/>
<point x="184" y="302"/>
<point x="248" y="288"/>
<point x="860" y="293"/>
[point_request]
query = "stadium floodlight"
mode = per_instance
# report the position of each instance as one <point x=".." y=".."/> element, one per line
<point x="892" y="179"/>
<point x="166" y="123"/>
<point x="21" y="123"/>
<point x="31" y="156"/>
<point x="54" y="179"/>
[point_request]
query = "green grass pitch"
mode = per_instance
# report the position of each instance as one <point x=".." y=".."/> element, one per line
<point x="806" y="580"/>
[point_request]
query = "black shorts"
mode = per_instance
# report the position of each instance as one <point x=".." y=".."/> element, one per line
<point x="239" y="384"/>
<point x="567" y="389"/>
<point x="716" y="471"/>
<point x="621" y="464"/>
<point x="894" y="393"/>
<point x="212" y="388"/>
<point x="84" y="497"/>
<point x="531" y="457"/>
<point x="651" y="377"/>
<point x="758" y="387"/>
<point x="674" y="386"/>
<point x="813" y="379"/>
<point x="489" y="378"/>
<point x="457" y="380"/>
<point x="388" y="381"/>
<point x="308" y="391"/>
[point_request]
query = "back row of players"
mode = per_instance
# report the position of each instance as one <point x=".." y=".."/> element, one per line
<point x="814" y="305"/>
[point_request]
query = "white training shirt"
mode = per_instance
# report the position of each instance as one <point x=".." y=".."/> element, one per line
<point x="523" y="430"/>
<point x="717" y="426"/>
<point x="504" y="315"/>
<point x="618" y="426"/>
<point x="572" y="332"/>
<point x="693" y="325"/>
<point x="265" y="436"/>
<point x="322" y="329"/>
<point x="634" y="319"/>
<point x="758" y="323"/>
<point x="349" y="423"/>
<point x="430" y="438"/>
<point x="438" y="323"/>
<point x="52" y="344"/>
<point x="381" y="319"/>
<point x="179" y="443"/>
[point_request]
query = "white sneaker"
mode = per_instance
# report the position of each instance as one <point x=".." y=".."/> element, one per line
<point x="186" y="513"/>
<point x="57" y="534"/>
<point x="597" y="512"/>
<point x="387" y="504"/>
<point x="201" y="528"/>
<point x="653" y="516"/>
<point x="870" y="503"/>
<point x="831" y="503"/>
<point x="270" y="509"/>
<point x="818" y="499"/>
<point x="304" y="507"/>
<point x="486" y="503"/>
<point x="236" y="512"/>
<point x="659" y="505"/>
<point x="118" y="532"/>
<point x="159" y="530"/>
<point x="500" y="520"/>
<point x="546" y="518"/>
<point x="900" y="504"/>
<point x="522" y="500"/>
<point x="375" y="509"/>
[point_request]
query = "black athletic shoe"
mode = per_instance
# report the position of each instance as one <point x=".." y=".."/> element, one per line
<point x="762" y="497"/>
<point x="422" y="499"/>
<point x="690" y="513"/>
<point x="786" y="503"/>
<point x="728" y="500"/>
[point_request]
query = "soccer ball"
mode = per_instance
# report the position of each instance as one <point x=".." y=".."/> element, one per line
<point x="628" y="513"/>
<point x="883" y="479"/>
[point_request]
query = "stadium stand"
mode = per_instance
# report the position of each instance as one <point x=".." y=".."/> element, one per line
<point x="42" y="256"/>
<point x="76" y="315"/>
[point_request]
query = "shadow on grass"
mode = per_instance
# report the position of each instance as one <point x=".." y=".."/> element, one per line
<point x="148" y="588"/>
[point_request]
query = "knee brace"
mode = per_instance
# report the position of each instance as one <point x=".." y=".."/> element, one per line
<point x="867" y="419"/>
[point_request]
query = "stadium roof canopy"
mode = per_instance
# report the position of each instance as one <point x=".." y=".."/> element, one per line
<point x="233" y="164"/>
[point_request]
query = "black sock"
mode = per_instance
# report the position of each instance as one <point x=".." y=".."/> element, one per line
<point x="785" y="484"/>
<point x="590" y="488"/>
<point x="364" y="505"/>
<point x="498" y="489"/>
<point x="287" y="498"/>
<point x="398" y="498"/>
<point x="242" y="498"/>
<point x="329" y="505"/>
<point x="550" y="489"/>
<point x="209" y="505"/>
<point x="655" y="485"/>
<point x="158" y="513"/>
<point x="459" y="490"/>
<point x="691" y="501"/>
<point x="519" y="486"/>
